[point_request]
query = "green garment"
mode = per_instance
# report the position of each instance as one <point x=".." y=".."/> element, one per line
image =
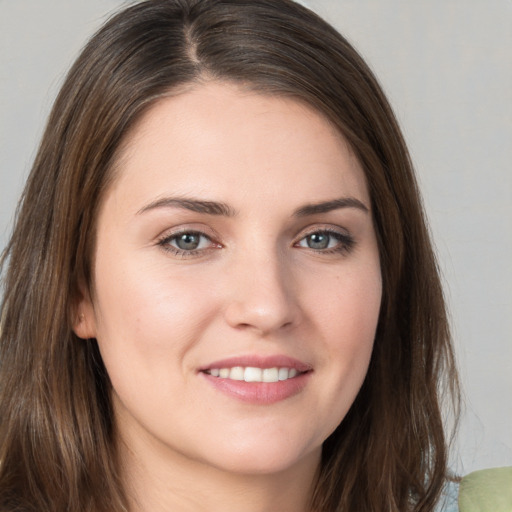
<point x="487" y="490"/>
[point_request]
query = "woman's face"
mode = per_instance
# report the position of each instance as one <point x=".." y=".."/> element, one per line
<point x="236" y="282"/>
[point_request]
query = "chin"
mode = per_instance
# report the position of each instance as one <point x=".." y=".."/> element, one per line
<point x="265" y="458"/>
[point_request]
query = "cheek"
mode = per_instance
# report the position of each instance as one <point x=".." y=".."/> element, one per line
<point x="144" y="311"/>
<point x="350" y="305"/>
<point x="147" y="326"/>
<point x="347" y="318"/>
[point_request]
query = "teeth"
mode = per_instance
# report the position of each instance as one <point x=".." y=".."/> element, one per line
<point x="283" y="373"/>
<point x="270" y="375"/>
<point x="237" y="373"/>
<point x="252" y="374"/>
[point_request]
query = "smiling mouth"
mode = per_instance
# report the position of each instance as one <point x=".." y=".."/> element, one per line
<point x="254" y="374"/>
<point x="258" y="380"/>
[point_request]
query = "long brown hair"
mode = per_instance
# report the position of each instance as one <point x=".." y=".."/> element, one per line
<point x="57" y="449"/>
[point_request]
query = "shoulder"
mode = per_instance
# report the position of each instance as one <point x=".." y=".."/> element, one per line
<point x="487" y="490"/>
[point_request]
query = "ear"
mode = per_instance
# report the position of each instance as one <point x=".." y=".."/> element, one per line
<point x="84" y="319"/>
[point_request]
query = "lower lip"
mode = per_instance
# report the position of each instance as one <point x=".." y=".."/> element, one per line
<point x="259" y="393"/>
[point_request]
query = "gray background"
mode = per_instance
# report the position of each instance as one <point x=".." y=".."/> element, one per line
<point x="445" y="65"/>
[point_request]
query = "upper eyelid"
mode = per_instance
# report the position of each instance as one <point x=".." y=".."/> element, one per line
<point x="173" y="232"/>
<point x="322" y="228"/>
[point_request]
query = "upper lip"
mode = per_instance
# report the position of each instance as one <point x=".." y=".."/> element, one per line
<point x="258" y="361"/>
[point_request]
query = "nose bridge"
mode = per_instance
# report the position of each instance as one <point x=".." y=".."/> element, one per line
<point x="262" y="291"/>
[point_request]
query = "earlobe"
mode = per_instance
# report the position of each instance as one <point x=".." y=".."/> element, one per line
<point x="82" y="327"/>
<point x="84" y="322"/>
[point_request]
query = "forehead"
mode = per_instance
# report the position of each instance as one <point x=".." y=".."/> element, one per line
<point x="223" y="140"/>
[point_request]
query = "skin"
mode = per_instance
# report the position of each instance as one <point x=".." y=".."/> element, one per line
<point x="256" y="285"/>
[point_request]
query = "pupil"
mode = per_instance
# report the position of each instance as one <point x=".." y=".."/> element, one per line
<point x="188" y="241"/>
<point x="318" y="241"/>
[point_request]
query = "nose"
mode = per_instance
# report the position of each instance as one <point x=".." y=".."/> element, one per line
<point x="263" y="295"/>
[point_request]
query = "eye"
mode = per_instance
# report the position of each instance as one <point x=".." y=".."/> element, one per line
<point x="187" y="243"/>
<point x="327" y="241"/>
<point x="318" y="241"/>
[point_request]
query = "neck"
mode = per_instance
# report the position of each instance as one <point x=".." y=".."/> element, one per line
<point x="161" y="482"/>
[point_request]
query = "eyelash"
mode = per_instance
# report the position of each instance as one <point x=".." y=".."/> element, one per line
<point x="165" y="243"/>
<point x="344" y="246"/>
<point x="345" y="241"/>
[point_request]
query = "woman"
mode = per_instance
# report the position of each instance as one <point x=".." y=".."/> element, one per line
<point x="220" y="291"/>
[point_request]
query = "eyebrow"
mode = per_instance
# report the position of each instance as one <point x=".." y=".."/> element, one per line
<point x="222" y="209"/>
<point x="194" y="205"/>
<point x="328" y="206"/>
